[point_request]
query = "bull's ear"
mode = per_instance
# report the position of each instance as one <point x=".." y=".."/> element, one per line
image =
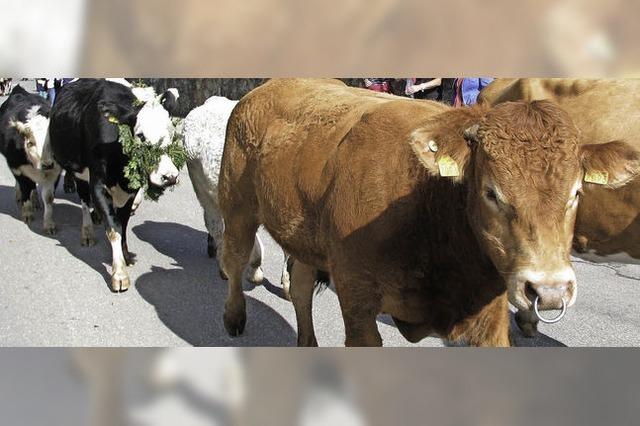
<point x="612" y="164"/>
<point x="445" y="155"/>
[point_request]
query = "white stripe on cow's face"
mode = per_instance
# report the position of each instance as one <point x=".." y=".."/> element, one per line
<point x="35" y="132"/>
<point x="154" y="124"/>
<point x="166" y="174"/>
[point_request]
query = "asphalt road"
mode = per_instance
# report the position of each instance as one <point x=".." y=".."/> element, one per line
<point x="54" y="292"/>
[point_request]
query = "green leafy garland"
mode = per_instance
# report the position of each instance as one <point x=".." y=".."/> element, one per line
<point x="144" y="159"/>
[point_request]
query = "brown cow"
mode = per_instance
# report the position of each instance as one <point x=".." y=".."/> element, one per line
<point x="608" y="219"/>
<point x="437" y="216"/>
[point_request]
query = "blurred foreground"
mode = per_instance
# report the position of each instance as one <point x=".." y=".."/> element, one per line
<point x="571" y="38"/>
<point x="217" y="386"/>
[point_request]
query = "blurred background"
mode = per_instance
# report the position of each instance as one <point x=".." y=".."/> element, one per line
<point x="280" y="386"/>
<point x="586" y="38"/>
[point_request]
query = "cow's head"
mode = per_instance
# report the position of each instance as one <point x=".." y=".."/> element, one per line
<point x="524" y="169"/>
<point x="152" y="124"/>
<point x="32" y="133"/>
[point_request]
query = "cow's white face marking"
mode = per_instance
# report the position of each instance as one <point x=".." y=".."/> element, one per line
<point x="154" y="124"/>
<point x="166" y="174"/>
<point x="35" y="132"/>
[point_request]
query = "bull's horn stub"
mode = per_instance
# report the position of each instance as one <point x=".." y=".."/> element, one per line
<point x="599" y="177"/>
<point x="448" y="166"/>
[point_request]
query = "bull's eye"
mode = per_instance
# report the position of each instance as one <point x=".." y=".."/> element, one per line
<point x="491" y="195"/>
<point x="31" y="144"/>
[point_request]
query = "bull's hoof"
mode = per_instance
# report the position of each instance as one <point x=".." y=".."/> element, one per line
<point x="212" y="250"/>
<point x="255" y="275"/>
<point x="50" y="229"/>
<point x="27" y="212"/>
<point x="234" y="323"/>
<point x="86" y="237"/>
<point x="120" y="283"/>
<point x="526" y="324"/>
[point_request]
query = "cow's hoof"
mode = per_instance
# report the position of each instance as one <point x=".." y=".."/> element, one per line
<point x="526" y="324"/>
<point x="120" y="283"/>
<point x="96" y="218"/>
<point x="86" y="237"/>
<point x="235" y="323"/>
<point x="212" y="250"/>
<point x="50" y="229"/>
<point x="27" y="212"/>
<point x="285" y="281"/>
<point x="222" y="274"/>
<point x="129" y="257"/>
<point x="255" y="275"/>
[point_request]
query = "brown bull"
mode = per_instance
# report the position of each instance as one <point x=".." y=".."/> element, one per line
<point x="608" y="219"/>
<point x="437" y="216"/>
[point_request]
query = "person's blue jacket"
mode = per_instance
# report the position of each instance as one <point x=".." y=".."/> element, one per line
<point x="471" y="88"/>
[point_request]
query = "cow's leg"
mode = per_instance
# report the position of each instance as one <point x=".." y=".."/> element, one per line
<point x="48" y="189"/>
<point x="303" y="277"/>
<point x="86" y="234"/>
<point x="215" y="228"/>
<point x="69" y="184"/>
<point x="119" y="276"/>
<point x="124" y="213"/>
<point x="26" y="185"/>
<point x="360" y="305"/>
<point x="18" y="196"/>
<point x="137" y="201"/>
<point x="285" y="278"/>
<point x="489" y="327"/>
<point x="35" y="200"/>
<point x="239" y="236"/>
<point x="527" y="323"/>
<point x="254" y="271"/>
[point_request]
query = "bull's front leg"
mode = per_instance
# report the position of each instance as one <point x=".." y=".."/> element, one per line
<point x="119" y="276"/>
<point x="123" y="214"/>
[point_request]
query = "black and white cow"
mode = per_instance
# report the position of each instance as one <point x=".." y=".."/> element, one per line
<point x="24" y="122"/>
<point x="84" y="139"/>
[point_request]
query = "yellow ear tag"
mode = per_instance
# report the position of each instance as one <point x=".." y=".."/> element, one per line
<point x="448" y="166"/>
<point x="113" y="120"/>
<point x="596" y="176"/>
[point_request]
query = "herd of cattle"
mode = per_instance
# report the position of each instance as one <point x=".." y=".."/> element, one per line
<point x="438" y="216"/>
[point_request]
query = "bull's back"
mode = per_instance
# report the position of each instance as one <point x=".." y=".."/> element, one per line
<point x="305" y="143"/>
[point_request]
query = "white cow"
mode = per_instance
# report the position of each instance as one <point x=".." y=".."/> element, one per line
<point x="204" y="134"/>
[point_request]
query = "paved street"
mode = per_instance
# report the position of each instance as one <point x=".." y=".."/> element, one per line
<point x="54" y="292"/>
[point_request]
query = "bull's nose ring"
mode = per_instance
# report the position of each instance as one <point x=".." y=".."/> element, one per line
<point x="552" y="320"/>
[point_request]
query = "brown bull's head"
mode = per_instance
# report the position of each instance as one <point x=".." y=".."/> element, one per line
<point x="524" y="169"/>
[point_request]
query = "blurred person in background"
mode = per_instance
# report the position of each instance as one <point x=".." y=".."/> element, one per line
<point x="378" y="84"/>
<point x="468" y="89"/>
<point x="424" y="88"/>
<point x="41" y="87"/>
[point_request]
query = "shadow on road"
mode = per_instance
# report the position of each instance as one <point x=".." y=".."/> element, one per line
<point x="68" y="219"/>
<point x="189" y="300"/>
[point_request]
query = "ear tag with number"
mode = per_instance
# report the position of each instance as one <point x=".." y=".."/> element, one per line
<point x="113" y="119"/>
<point x="448" y="166"/>
<point x="596" y="176"/>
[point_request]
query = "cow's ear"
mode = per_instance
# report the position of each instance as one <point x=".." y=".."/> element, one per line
<point x="108" y="122"/>
<point x="442" y="154"/>
<point x="612" y="164"/>
<point x="169" y="100"/>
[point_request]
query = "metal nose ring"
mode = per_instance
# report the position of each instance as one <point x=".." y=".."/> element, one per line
<point x="552" y="320"/>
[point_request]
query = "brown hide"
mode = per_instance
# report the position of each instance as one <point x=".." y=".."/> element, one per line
<point x="608" y="220"/>
<point x="333" y="174"/>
